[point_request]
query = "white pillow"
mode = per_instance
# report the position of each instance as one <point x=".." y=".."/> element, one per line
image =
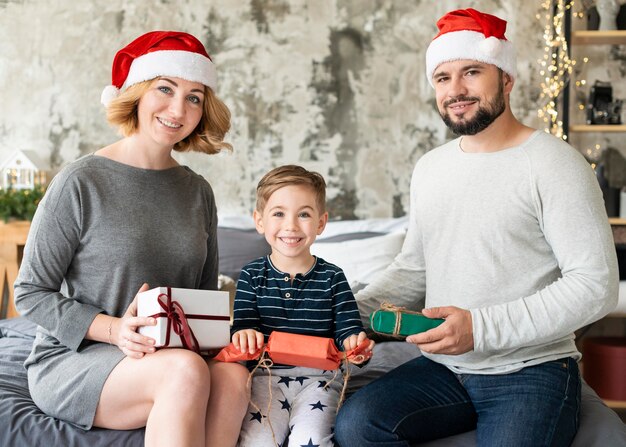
<point x="377" y="225"/>
<point x="360" y="259"/>
<point x="238" y="221"/>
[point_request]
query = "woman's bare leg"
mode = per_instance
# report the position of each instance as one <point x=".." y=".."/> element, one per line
<point x="228" y="403"/>
<point x="167" y="392"/>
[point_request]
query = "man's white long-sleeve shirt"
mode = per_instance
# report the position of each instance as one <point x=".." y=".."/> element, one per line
<point x="520" y="237"/>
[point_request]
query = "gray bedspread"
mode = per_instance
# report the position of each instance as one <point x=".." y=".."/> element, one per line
<point x="24" y="425"/>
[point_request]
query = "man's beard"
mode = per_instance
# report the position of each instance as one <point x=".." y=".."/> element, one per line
<point x="483" y="118"/>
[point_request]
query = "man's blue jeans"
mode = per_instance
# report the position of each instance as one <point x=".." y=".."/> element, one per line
<point x="421" y="400"/>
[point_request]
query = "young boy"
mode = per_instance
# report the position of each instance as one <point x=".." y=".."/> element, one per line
<point x="293" y="291"/>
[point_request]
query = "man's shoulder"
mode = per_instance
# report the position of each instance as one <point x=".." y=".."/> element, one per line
<point x="553" y="163"/>
<point x="435" y="158"/>
<point x="451" y="145"/>
<point x="545" y="139"/>
<point x="441" y="152"/>
<point x="543" y="147"/>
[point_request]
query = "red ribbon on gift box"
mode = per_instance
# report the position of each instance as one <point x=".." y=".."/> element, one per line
<point x="177" y="320"/>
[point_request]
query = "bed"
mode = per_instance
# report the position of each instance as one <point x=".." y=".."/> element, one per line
<point x="361" y="247"/>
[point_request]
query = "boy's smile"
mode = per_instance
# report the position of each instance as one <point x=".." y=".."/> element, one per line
<point x="292" y="241"/>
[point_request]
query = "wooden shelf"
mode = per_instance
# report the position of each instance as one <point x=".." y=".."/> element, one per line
<point x="618" y="226"/>
<point x="12" y="236"/>
<point x="621" y="404"/>
<point x="599" y="37"/>
<point x="597" y="128"/>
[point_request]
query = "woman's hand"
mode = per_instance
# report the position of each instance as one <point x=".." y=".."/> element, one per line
<point x="248" y="339"/>
<point x="355" y="340"/>
<point x="124" y="331"/>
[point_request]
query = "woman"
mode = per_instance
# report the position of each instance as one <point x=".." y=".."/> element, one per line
<point x="115" y="221"/>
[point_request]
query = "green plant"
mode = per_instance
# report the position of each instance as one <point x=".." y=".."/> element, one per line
<point x="19" y="204"/>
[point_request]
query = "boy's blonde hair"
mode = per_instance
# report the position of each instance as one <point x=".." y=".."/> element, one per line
<point x="290" y="175"/>
<point x="207" y="137"/>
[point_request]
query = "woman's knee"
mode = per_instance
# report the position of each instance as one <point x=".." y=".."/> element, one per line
<point x="185" y="371"/>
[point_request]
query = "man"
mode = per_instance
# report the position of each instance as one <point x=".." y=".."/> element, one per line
<point x="509" y="242"/>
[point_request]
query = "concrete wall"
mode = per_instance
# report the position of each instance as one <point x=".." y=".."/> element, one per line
<point x="335" y="85"/>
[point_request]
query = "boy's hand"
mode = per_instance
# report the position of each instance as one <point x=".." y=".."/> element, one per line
<point x="248" y="339"/>
<point x="355" y="340"/>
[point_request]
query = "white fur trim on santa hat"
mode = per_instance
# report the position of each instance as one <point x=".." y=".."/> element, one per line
<point x="175" y="63"/>
<point x="109" y="93"/>
<point x="470" y="45"/>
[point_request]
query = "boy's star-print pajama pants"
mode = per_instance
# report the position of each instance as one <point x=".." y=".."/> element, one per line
<point x="302" y="409"/>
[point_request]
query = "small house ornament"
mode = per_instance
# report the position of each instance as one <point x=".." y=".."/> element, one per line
<point x="23" y="170"/>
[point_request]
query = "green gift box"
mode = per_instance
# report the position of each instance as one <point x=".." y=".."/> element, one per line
<point x="401" y="323"/>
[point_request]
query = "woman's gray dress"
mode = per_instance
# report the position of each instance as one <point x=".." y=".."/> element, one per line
<point x="101" y="231"/>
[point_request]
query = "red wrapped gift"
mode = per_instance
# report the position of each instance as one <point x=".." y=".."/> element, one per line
<point x="299" y="350"/>
<point x="303" y="350"/>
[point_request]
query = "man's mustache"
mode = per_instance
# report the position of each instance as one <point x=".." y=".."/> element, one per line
<point x="460" y="99"/>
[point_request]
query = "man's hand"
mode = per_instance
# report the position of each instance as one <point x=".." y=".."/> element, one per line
<point x="454" y="336"/>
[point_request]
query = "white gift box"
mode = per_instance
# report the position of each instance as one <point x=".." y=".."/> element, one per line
<point x="207" y="314"/>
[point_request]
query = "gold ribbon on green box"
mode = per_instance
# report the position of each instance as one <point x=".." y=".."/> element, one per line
<point x="400" y="322"/>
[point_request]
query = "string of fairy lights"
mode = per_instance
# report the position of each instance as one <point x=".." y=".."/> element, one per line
<point x="593" y="151"/>
<point x="580" y="83"/>
<point x="556" y="65"/>
<point x="558" y="70"/>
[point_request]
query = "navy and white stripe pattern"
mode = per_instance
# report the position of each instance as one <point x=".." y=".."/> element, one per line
<point x="319" y="302"/>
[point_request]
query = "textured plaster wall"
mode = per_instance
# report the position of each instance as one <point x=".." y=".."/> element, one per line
<point x="335" y="85"/>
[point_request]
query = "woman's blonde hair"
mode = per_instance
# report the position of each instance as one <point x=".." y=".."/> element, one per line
<point x="207" y="137"/>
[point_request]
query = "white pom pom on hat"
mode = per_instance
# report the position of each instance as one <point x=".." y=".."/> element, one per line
<point x="160" y="53"/>
<point x="109" y="93"/>
<point x="473" y="35"/>
<point x="491" y="47"/>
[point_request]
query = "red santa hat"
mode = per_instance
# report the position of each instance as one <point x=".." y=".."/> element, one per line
<point x="473" y="35"/>
<point x="160" y="53"/>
